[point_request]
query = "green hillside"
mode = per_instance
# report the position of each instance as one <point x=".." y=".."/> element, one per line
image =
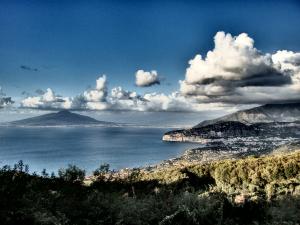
<point x="261" y="190"/>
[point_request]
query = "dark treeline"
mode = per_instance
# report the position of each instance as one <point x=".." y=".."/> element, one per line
<point x="208" y="194"/>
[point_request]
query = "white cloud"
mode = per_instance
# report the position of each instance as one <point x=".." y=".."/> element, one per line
<point x="289" y="62"/>
<point x="93" y="99"/>
<point x="286" y="60"/>
<point x="233" y="58"/>
<point x="119" y="99"/>
<point x="236" y="72"/>
<point x="49" y="96"/>
<point x="48" y="100"/>
<point x="119" y="93"/>
<point x="178" y="103"/>
<point x="125" y="100"/>
<point x="96" y="106"/>
<point x="99" y="93"/>
<point x="146" y="79"/>
<point x="233" y="73"/>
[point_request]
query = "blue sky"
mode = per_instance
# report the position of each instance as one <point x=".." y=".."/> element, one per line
<point x="71" y="43"/>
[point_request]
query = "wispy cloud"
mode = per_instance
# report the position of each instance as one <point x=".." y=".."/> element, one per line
<point x="29" y="68"/>
<point x="5" y="100"/>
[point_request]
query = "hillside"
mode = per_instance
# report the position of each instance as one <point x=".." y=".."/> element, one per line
<point x="253" y="190"/>
<point x="60" y="118"/>
<point x="252" y="174"/>
<point x="263" y="114"/>
<point x="268" y="122"/>
<point x="211" y="131"/>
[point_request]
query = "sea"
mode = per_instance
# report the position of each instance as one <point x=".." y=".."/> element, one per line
<point x="52" y="148"/>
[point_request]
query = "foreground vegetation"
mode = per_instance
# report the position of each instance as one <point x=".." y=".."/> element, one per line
<point x="254" y="190"/>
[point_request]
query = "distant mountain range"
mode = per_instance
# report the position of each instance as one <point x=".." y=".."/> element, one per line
<point x="271" y="120"/>
<point x="217" y="130"/>
<point x="61" y="118"/>
<point x="263" y="114"/>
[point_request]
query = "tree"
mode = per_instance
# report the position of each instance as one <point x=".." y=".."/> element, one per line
<point x="101" y="171"/>
<point x="44" y="173"/>
<point x="72" y="174"/>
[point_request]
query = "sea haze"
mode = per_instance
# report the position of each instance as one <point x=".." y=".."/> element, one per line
<point x="153" y="119"/>
<point x="87" y="147"/>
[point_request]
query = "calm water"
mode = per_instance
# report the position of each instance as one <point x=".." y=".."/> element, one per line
<point x="87" y="147"/>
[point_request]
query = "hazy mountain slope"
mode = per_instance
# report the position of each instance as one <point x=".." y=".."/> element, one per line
<point x="64" y="117"/>
<point x="218" y="129"/>
<point x="263" y="114"/>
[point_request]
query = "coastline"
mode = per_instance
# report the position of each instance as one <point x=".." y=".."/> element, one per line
<point x="200" y="156"/>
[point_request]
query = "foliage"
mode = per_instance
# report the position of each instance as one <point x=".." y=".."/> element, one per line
<point x="102" y="170"/>
<point x="72" y="174"/>
<point x="262" y="190"/>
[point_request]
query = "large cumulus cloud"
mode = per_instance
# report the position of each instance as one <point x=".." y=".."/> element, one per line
<point x="233" y="74"/>
<point x="236" y="72"/>
<point x="146" y="79"/>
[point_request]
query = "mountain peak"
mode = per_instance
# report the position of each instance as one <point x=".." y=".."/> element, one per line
<point x="64" y="112"/>
<point x="284" y="112"/>
<point x="63" y="117"/>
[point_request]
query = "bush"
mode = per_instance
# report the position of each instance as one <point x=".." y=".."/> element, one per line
<point x="230" y="192"/>
<point x="72" y="174"/>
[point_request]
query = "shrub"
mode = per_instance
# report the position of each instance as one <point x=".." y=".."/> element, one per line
<point x="72" y="174"/>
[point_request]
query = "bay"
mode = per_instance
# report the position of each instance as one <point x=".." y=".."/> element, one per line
<point x="87" y="147"/>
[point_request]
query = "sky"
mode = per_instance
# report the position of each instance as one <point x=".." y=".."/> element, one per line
<point x="149" y="55"/>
